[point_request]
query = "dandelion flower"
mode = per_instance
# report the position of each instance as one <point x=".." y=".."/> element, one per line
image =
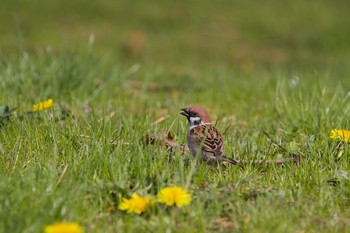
<point x="136" y="204"/>
<point x="341" y="134"/>
<point x="64" y="227"/>
<point x="43" y="105"/>
<point x="174" y="196"/>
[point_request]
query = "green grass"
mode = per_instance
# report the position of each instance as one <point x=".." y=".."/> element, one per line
<point x="254" y="72"/>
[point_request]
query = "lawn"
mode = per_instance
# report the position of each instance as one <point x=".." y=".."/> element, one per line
<point x="273" y="75"/>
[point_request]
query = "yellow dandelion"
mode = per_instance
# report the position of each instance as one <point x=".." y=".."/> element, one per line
<point x="43" y="105"/>
<point x="341" y="134"/>
<point x="174" y="196"/>
<point x="136" y="204"/>
<point x="64" y="227"/>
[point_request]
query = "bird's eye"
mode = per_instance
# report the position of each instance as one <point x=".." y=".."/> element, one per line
<point x="194" y="114"/>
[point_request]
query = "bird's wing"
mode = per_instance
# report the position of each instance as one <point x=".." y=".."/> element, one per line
<point x="210" y="139"/>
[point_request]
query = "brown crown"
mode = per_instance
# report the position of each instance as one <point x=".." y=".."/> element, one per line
<point x="201" y="112"/>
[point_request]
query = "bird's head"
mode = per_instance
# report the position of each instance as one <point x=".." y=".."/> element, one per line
<point x="196" y="115"/>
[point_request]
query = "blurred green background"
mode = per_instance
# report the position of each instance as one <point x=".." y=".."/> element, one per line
<point x="292" y="34"/>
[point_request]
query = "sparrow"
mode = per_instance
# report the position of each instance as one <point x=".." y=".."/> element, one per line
<point x="203" y="138"/>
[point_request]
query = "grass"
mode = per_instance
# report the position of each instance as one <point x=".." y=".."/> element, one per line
<point x="76" y="161"/>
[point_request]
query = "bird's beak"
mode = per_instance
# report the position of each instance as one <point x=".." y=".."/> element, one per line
<point x="184" y="112"/>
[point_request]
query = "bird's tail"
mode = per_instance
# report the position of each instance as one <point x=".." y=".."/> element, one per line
<point x="231" y="161"/>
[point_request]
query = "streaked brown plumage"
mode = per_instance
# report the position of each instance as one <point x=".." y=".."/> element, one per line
<point x="203" y="138"/>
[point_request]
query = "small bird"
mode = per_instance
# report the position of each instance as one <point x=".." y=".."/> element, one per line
<point x="203" y="138"/>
